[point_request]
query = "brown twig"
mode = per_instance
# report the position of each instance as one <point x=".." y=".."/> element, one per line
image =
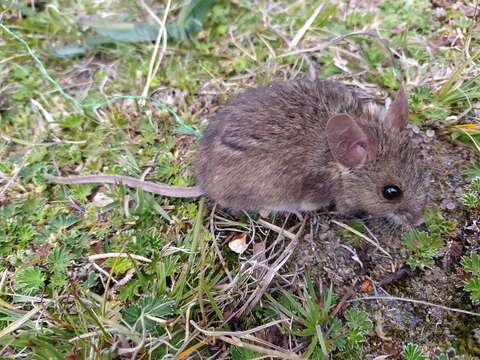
<point x="363" y="236"/>
<point x="343" y="300"/>
<point x="217" y="250"/>
<point x="395" y="276"/>
<point x="277" y="229"/>
<point x="420" y="302"/>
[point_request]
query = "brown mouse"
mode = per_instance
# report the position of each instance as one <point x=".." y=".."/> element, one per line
<point x="304" y="145"/>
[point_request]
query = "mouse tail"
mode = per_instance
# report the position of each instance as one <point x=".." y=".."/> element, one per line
<point x="156" y="188"/>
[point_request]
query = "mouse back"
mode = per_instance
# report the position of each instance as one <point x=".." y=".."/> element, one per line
<point x="267" y="148"/>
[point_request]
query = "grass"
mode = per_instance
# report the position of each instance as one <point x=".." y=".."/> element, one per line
<point x="412" y="352"/>
<point x="424" y="245"/>
<point x="100" y="272"/>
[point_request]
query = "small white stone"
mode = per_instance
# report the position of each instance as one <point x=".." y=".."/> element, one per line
<point x="101" y="200"/>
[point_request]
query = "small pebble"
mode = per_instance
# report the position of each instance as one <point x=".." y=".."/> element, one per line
<point x="430" y="133"/>
<point x="415" y="129"/>
<point x="450" y="205"/>
<point x="439" y="12"/>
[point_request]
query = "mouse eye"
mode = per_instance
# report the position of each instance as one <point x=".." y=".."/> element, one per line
<point x="391" y="192"/>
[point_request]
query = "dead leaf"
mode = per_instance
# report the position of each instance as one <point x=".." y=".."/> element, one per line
<point x="100" y="200"/>
<point x="239" y="243"/>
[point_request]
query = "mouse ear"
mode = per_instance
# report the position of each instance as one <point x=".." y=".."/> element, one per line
<point x="347" y="141"/>
<point x="397" y="114"/>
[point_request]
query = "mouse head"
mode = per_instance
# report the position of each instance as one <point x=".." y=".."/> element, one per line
<point x="381" y="172"/>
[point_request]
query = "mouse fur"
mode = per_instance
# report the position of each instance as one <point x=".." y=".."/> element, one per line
<point x="305" y="145"/>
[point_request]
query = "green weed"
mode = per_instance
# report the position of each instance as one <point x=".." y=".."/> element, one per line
<point x="413" y="352"/>
<point x="350" y="237"/>
<point x="424" y="245"/>
<point x="471" y="265"/>
<point x="325" y="334"/>
<point x="471" y="198"/>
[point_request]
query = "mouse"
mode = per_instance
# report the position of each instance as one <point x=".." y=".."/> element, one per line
<point x="304" y="145"/>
